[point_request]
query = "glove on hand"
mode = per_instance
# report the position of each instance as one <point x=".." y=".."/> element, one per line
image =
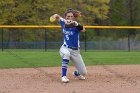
<point x="70" y="24"/>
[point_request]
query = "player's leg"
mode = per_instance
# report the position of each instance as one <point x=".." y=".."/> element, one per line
<point x="65" y="54"/>
<point x="78" y="63"/>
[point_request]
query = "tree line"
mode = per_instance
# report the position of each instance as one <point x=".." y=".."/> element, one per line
<point x="94" y="12"/>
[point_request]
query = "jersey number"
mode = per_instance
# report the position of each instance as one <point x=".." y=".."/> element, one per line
<point x="67" y="37"/>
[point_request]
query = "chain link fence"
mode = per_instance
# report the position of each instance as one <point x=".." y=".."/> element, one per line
<point x="52" y="39"/>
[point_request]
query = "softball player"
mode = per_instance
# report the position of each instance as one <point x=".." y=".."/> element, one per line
<point x="70" y="48"/>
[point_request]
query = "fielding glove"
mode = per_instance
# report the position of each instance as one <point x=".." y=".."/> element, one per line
<point x="70" y="24"/>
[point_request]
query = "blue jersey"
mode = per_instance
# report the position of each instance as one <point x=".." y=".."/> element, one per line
<point x="70" y="35"/>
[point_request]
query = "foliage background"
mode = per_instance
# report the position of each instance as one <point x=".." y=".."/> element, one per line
<point x="94" y="12"/>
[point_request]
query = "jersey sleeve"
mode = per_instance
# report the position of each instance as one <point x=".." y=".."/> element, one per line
<point x="62" y="23"/>
<point x="77" y="30"/>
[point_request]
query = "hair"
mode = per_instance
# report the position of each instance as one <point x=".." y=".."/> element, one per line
<point x="74" y="12"/>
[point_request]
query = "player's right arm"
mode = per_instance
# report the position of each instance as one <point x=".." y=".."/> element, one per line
<point x="55" y="17"/>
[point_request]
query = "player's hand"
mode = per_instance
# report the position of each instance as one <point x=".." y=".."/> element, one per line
<point x="52" y="19"/>
<point x="55" y="17"/>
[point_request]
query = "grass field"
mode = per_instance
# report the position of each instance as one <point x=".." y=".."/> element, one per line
<point x="21" y="59"/>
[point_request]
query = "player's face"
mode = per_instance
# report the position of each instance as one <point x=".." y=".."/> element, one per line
<point x="69" y="16"/>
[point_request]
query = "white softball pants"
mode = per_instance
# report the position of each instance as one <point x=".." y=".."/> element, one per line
<point x="75" y="57"/>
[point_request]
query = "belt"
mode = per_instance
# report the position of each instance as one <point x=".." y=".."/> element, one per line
<point x="73" y="48"/>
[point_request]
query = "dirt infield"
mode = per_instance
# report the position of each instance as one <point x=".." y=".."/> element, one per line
<point x="100" y="79"/>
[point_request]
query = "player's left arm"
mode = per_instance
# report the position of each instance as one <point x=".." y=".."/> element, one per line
<point x="83" y="29"/>
<point x="80" y="27"/>
<point x="71" y="24"/>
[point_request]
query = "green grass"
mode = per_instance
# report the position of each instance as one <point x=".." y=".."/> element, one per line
<point x="21" y="59"/>
<point x="111" y="58"/>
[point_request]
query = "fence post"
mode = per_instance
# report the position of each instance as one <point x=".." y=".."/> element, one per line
<point x="45" y="39"/>
<point x="129" y="41"/>
<point x="85" y="41"/>
<point x="2" y="39"/>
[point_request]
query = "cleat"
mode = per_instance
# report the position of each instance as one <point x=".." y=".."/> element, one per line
<point x="80" y="77"/>
<point x="64" y="79"/>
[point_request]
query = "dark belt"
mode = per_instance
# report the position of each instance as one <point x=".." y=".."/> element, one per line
<point x="73" y="48"/>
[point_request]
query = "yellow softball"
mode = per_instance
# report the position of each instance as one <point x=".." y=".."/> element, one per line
<point x="52" y="19"/>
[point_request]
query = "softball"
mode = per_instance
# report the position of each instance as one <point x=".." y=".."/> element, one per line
<point x="52" y="19"/>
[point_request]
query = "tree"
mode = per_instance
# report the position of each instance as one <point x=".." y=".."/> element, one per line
<point x="124" y="12"/>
